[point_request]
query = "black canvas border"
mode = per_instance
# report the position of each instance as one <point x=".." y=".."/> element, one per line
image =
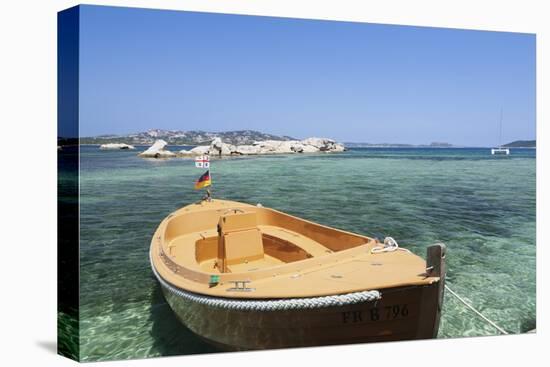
<point x="68" y="157"/>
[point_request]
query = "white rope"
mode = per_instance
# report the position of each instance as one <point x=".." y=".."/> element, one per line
<point x="476" y="311"/>
<point x="271" y="304"/>
<point x="390" y="245"/>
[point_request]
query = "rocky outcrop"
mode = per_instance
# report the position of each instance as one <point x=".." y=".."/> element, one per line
<point x="200" y="150"/>
<point x="116" y="146"/>
<point x="246" y="150"/>
<point x="218" y="148"/>
<point x="157" y="151"/>
<point x="324" y="144"/>
<point x="185" y="153"/>
<point x="309" y="149"/>
<point x="310" y="145"/>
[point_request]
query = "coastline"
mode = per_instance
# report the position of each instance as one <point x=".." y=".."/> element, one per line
<point x="347" y="147"/>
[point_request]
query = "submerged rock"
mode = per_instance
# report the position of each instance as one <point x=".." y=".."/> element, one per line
<point x="157" y="151"/>
<point x="116" y="146"/>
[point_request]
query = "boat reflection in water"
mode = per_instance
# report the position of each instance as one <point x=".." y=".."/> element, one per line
<point x="248" y="277"/>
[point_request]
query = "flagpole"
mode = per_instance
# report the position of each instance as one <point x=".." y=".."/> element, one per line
<point x="203" y="161"/>
<point x="210" y="174"/>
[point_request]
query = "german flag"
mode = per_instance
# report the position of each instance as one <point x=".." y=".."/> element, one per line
<point x="203" y="181"/>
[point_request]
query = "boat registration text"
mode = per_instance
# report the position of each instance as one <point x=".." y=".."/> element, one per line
<point x="385" y="313"/>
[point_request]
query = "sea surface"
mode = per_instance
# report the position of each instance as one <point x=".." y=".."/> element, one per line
<point x="482" y="207"/>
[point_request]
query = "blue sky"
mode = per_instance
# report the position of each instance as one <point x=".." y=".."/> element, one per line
<point x="354" y="82"/>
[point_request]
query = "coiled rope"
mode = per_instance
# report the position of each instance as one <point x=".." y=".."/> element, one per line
<point x="476" y="311"/>
<point x="271" y="304"/>
<point x="390" y="245"/>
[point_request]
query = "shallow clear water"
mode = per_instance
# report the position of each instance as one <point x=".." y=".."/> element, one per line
<point x="481" y="207"/>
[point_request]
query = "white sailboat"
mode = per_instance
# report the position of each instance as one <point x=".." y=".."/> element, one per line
<point x="500" y="150"/>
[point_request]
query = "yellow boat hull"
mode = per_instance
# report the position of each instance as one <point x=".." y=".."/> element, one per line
<point x="401" y="314"/>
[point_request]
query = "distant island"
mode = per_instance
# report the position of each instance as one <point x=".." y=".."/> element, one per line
<point x="394" y="145"/>
<point x="180" y="137"/>
<point x="227" y="143"/>
<point x="238" y="137"/>
<point x="522" y="144"/>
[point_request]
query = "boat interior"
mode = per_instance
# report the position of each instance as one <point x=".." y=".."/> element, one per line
<point x="245" y="239"/>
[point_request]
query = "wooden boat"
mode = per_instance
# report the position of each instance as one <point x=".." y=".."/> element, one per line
<point x="248" y="277"/>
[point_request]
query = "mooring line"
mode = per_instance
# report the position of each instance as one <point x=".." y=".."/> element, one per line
<point x="476" y="311"/>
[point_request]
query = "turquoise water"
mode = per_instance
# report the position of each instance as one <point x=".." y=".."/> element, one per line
<point x="481" y="207"/>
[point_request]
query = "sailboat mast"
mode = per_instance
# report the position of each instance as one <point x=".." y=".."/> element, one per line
<point x="500" y="130"/>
